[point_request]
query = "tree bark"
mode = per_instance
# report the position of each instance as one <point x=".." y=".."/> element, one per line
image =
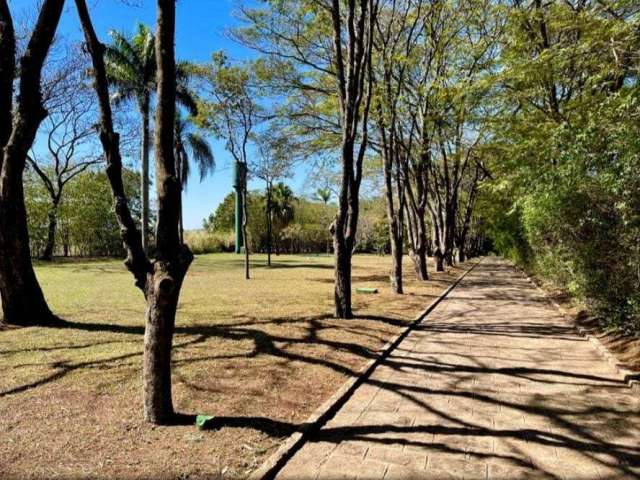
<point x="7" y="74"/>
<point x="354" y="86"/>
<point x="396" y="267"/>
<point x="342" y="290"/>
<point x="245" y="214"/>
<point x="161" y="280"/>
<point x="439" y="259"/>
<point x="420" y="253"/>
<point x="144" y="175"/>
<point x="23" y="302"/>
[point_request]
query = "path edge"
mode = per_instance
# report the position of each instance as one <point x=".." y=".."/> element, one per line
<point x="630" y="377"/>
<point x="272" y="466"/>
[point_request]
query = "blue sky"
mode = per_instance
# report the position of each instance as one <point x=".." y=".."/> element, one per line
<point x="200" y="30"/>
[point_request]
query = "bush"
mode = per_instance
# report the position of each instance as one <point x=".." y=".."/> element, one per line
<point x="203" y="241"/>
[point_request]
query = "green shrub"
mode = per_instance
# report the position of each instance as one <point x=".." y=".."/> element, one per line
<point x="203" y="241"/>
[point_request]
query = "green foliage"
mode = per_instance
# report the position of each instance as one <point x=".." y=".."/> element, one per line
<point x="86" y="219"/>
<point x="206" y="241"/>
<point x="566" y="200"/>
<point x="300" y="225"/>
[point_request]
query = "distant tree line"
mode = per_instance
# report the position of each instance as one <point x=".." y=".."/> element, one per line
<point x="86" y="224"/>
<point x="299" y="225"/>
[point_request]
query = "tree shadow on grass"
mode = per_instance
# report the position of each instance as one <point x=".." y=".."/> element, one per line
<point x="569" y="427"/>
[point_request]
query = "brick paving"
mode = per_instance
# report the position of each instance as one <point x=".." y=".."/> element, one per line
<point x="493" y="385"/>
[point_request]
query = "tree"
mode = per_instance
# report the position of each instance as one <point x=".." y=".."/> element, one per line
<point x="86" y="225"/>
<point x="565" y="130"/>
<point x="444" y="102"/>
<point x="232" y="114"/>
<point x="131" y="69"/>
<point x="352" y="64"/>
<point x="320" y="55"/>
<point x="323" y="194"/>
<point x="22" y="299"/>
<point x="187" y="139"/>
<point x="159" y="280"/>
<point x="272" y="163"/>
<point x="281" y="209"/>
<point x="68" y="135"/>
<point x="399" y="27"/>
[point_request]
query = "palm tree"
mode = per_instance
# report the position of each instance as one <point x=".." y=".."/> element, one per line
<point x="131" y="69"/>
<point x="281" y="202"/>
<point x="324" y="195"/>
<point x="188" y="140"/>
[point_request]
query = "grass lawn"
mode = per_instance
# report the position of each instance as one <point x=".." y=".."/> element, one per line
<point x="260" y="354"/>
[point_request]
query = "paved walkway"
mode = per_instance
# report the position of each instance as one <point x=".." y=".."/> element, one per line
<point x="494" y="385"/>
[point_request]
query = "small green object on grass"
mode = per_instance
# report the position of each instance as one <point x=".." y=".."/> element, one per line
<point x="204" y="421"/>
<point x="366" y="290"/>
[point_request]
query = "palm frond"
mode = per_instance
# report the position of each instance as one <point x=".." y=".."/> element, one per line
<point x="187" y="99"/>
<point x="202" y="154"/>
<point x="121" y="50"/>
<point x="185" y="169"/>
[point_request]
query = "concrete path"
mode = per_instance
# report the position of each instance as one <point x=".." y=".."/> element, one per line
<point x="494" y="385"/>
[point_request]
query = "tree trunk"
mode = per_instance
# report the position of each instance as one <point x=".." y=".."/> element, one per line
<point x="342" y="293"/>
<point x="161" y="280"/>
<point x="269" y="224"/>
<point x="420" y="259"/>
<point x="172" y="258"/>
<point x="23" y="302"/>
<point x="418" y="252"/>
<point x="144" y="174"/>
<point x="449" y="258"/>
<point x="396" y="255"/>
<point x="47" y="254"/>
<point x="158" y="339"/>
<point x="245" y="240"/>
<point x="439" y="258"/>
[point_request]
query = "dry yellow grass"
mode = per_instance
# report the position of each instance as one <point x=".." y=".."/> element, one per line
<point x="260" y="354"/>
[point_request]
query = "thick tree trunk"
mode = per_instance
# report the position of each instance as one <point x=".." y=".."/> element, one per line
<point x="23" y="302"/>
<point x="439" y="259"/>
<point x="421" y="253"/>
<point x="449" y="258"/>
<point x="161" y="280"/>
<point x="158" y="339"/>
<point x="181" y="225"/>
<point x="342" y="292"/>
<point x="144" y="173"/>
<point x="419" y="258"/>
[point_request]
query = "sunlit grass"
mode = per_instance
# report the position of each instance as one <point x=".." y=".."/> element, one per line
<point x="267" y="347"/>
